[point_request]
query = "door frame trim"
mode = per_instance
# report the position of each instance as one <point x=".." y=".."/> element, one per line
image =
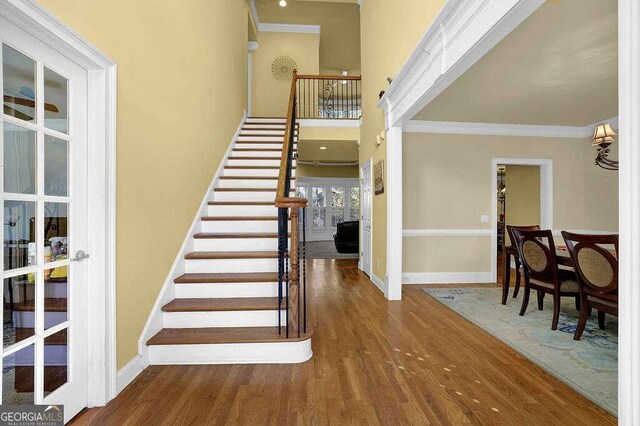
<point x="369" y="164"/>
<point x="101" y="78"/>
<point x="546" y="199"/>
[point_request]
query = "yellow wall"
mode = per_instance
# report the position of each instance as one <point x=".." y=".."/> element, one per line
<point x="181" y="94"/>
<point x="328" y="171"/>
<point x="389" y="30"/>
<point x="522" y="196"/>
<point x="270" y="96"/>
<point x="447" y="185"/>
<point x="330" y="133"/>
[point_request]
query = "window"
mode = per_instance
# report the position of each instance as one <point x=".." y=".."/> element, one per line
<point x="337" y="206"/>
<point x="354" y="203"/>
<point x="318" y="203"/>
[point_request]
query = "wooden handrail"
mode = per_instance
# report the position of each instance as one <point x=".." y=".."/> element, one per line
<point x="282" y="200"/>
<point x="328" y="77"/>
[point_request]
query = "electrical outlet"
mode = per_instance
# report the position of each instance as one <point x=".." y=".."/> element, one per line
<point x="378" y="263"/>
<point x="484" y="218"/>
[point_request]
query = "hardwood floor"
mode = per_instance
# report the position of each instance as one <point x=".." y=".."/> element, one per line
<point x="375" y="362"/>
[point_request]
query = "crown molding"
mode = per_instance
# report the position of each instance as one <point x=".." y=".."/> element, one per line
<point x="496" y="129"/>
<point x="328" y="122"/>
<point x="461" y="33"/>
<point x="289" y="28"/>
<point x="252" y="46"/>
<point x="360" y="3"/>
<point x="254" y="12"/>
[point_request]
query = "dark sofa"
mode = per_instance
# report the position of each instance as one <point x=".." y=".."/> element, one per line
<point x="347" y="237"/>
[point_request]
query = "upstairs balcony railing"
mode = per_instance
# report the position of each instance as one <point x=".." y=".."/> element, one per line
<point x="328" y="97"/>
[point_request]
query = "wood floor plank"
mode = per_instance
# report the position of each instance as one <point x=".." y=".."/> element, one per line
<point x="375" y="362"/>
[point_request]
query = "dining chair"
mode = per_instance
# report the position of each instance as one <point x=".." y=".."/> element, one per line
<point x="537" y="252"/>
<point x="507" y="253"/>
<point x="596" y="269"/>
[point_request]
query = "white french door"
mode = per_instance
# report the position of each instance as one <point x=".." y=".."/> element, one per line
<point x="365" y="243"/>
<point x="43" y="177"/>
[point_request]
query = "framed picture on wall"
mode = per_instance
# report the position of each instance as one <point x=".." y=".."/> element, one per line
<point x="378" y="177"/>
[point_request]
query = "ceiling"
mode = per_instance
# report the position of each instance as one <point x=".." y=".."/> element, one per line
<point x="557" y="68"/>
<point x="337" y="151"/>
<point x="339" y="33"/>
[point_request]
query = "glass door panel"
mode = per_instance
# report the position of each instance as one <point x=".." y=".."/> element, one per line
<point x="44" y="198"/>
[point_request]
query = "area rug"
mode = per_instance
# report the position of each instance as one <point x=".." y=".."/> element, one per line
<point x="326" y="250"/>
<point x="590" y="366"/>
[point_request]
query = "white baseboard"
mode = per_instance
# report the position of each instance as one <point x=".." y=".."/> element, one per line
<point x="447" y="277"/>
<point x="129" y="372"/>
<point x="382" y="285"/>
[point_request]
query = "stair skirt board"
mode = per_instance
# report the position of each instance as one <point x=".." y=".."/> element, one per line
<point x="235" y="244"/>
<point x="226" y="290"/>
<point x="232" y="353"/>
<point x="193" y="266"/>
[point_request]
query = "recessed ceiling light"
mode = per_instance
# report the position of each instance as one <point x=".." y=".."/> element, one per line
<point x="283" y="3"/>
<point x="323" y="148"/>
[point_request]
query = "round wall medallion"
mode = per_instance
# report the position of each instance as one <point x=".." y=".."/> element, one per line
<point x="282" y="68"/>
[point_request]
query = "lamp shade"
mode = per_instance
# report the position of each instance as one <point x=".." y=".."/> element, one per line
<point x="603" y="134"/>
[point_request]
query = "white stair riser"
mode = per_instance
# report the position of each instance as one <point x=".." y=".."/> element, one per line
<point x="259" y="145"/>
<point x="231" y="353"/>
<point x="240" y="226"/>
<point x="278" y="120"/>
<point x="235" y="244"/>
<point x="193" y="266"/>
<point x="248" y="183"/>
<point x="223" y="291"/>
<point x="261" y="162"/>
<point x="256" y="153"/>
<point x="234" y="210"/>
<point x="274" y="126"/>
<point x="243" y="196"/>
<point x="26" y="319"/>
<point x="274" y="132"/>
<point x="221" y="319"/>
<point x="255" y="172"/>
<point x="253" y="138"/>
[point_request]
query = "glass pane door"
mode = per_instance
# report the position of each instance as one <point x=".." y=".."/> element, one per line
<point x="44" y="222"/>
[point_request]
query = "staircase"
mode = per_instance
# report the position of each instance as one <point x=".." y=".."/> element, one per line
<point x="226" y="307"/>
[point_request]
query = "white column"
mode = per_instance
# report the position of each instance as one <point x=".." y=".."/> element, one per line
<point x="629" y="272"/>
<point x="394" y="213"/>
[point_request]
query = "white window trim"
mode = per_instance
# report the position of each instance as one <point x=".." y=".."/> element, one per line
<point x="326" y="234"/>
<point x="33" y="18"/>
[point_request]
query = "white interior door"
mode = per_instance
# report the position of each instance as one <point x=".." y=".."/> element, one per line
<point x="366" y="218"/>
<point x="44" y="196"/>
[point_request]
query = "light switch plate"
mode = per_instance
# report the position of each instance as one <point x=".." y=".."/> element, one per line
<point x="484" y="218"/>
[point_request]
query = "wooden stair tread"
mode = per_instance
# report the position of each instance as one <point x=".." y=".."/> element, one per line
<point x="241" y="203"/>
<point x="255" y="167"/>
<point x="222" y="304"/>
<point x="237" y="218"/>
<point x="50" y="305"/>
<point x="252" y="177"/>
<point x="231" y="235"/>
<point x="203" y="336"/>
<point x="56" y="339"/>
<point x="227" y="277"/>
<point x="202" y="255"/>
<point x="233" y="157"/>
<point x="264" y="142"/>
<point x="259" y="150"/>
<point x="249" y="189"/>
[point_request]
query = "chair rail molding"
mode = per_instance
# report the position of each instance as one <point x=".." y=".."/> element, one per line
<point x="462" y="32"/>
<point x="101" y="77"/>
<point x="629" y="195"/>
<point x="446" y="233"/>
